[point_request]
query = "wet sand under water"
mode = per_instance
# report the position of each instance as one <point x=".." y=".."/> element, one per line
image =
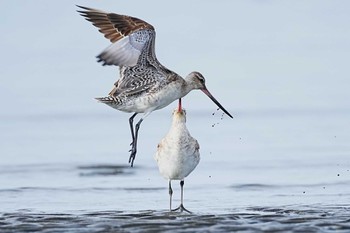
<point x="253" y="219"/>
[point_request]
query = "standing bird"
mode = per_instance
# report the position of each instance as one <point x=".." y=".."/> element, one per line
<point x="145" y="85"/>
<point x="178" y="153"/>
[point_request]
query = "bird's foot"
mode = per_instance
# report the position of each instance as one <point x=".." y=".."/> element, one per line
<point x="132" y="155"/>
<point x="181" y="208"/>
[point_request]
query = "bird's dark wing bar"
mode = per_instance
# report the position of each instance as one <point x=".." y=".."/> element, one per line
<point x="129" y="36"/>
<point x="113" y="26"/>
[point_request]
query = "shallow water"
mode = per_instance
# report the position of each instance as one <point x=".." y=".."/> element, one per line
<point x="261" y="172"/>
<point x="253" y="219"/>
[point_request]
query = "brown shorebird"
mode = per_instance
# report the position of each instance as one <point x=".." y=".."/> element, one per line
<point x="145" y="85"/>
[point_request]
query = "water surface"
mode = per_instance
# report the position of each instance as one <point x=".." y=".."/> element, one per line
<point x="261" y="171"/>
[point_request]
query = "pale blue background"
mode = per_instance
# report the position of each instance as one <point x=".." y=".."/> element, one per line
<point x="280" y="67"/>
<point x="256" y="55"/>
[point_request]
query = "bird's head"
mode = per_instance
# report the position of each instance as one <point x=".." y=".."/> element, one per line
<point x="179" y="115"/>
<point x="195" y="80"/>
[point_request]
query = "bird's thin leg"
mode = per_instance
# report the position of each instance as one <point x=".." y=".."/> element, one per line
<point x="134" y="143"/>
<point x="131" y="123"/>
<point x="182" y="182"/>
<point x="170" y="193"/>
<point x="181" y="207"/>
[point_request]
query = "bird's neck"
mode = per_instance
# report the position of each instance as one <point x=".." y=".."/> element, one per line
<point x="187" y="86"/>
<point x="178" y="129"/>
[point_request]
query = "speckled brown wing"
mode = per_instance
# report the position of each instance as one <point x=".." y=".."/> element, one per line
<point x="129" y="36"/>
<point x="113" y="26"/>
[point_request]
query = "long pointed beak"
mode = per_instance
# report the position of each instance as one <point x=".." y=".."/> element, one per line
<point x="215" y="101"/>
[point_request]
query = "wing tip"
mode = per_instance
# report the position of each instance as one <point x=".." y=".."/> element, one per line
<point x="85" y="8"/>
<point x="84" y="11"/>
<point x="103" y="61"/>
<point x="81" y="8"/>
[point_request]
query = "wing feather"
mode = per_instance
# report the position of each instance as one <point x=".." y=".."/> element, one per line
<point x="128" y="35"/>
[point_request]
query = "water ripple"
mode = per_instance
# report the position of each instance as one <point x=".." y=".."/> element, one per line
<point x="252" y="219"/>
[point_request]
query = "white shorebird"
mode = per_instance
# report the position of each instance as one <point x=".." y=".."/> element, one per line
<point x="145" y="85"/>
<point x="178" y="153"/>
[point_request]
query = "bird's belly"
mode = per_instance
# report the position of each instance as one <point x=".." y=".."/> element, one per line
<point x="166" y="96"/>
<point x="149" y="102"/>
<point x="177" y="171"/>
<point x="175" y="167"/>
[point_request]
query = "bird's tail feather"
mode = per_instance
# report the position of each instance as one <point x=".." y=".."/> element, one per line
<point x="106" y="100"/>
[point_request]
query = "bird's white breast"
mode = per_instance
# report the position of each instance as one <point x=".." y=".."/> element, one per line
<point x="178" y="153"/>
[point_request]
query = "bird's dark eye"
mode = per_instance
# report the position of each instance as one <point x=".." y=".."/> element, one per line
<point x="201" y="79"/>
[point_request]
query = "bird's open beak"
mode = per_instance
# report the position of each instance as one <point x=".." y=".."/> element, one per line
<point x="205" y="90"/>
